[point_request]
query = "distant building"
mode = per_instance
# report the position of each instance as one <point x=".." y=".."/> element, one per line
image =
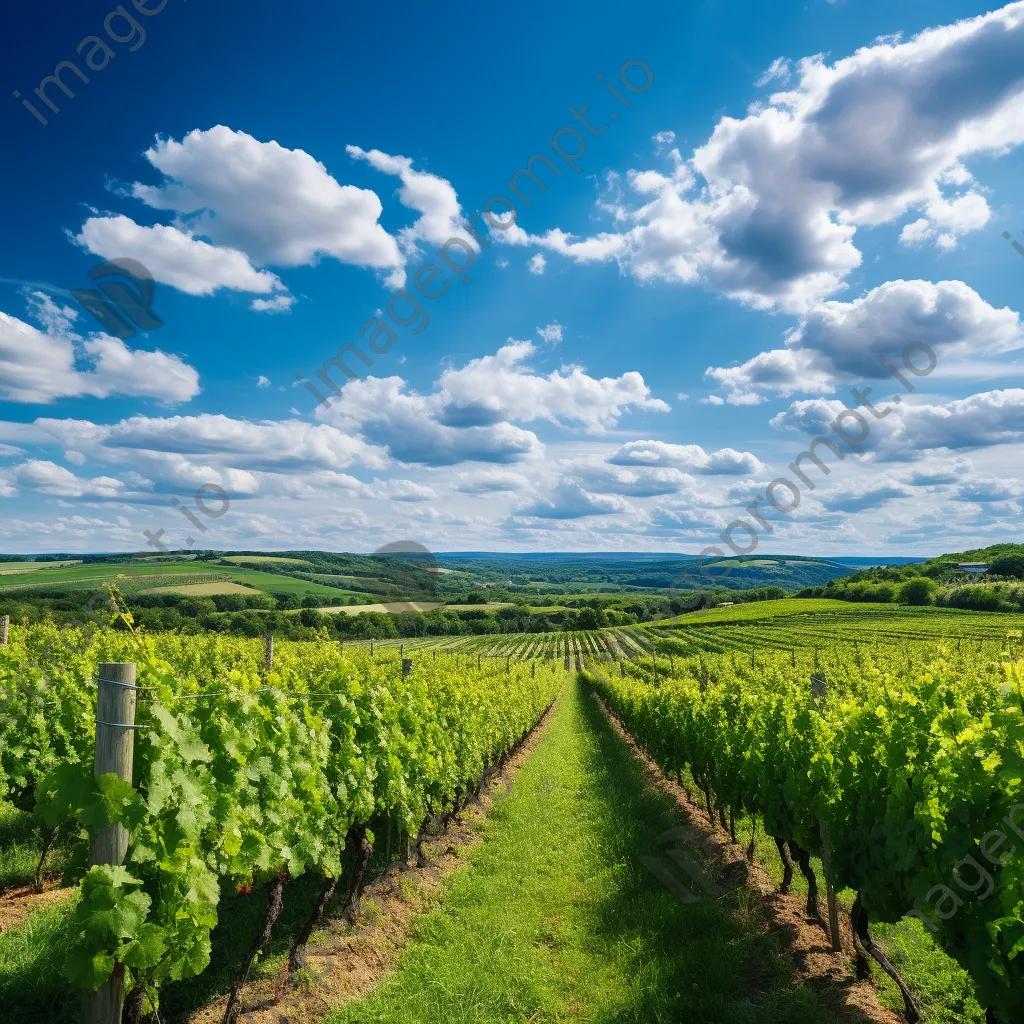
<point x="725" y="604"/>
<point x="973" y="566"/>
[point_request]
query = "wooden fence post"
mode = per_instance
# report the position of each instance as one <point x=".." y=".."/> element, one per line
<point x="5" y="625"/>
<point x="115" y="744"/>
<point x="478" y="661"/>
<point x="830" y="892"/>
<point x="268" y="651"/>
<point x="819" y="691"/>
<point x="406" y="666"/>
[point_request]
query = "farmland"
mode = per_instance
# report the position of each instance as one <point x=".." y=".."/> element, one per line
<point x="145" y="574"/>
<point x="207" y="697"/>
<point x="11" y="568"/>
<point x="769" y="626"/>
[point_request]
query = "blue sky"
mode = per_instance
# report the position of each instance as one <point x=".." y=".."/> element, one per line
<point x="792" y="195"/>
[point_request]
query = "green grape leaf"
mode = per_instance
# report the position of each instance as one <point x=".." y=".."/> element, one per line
<point x="89" y="972"/>
<point x="145" y="950"/>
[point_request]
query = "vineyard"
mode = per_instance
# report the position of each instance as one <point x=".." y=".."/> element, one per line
<point x="901" y="766"/>
<point x="882" y="753"/>
<point x="740" y="630"/>
<point x="244" y="776"/>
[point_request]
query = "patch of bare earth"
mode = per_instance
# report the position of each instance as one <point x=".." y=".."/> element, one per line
<point x="347" y="961"/>
<point x="17" y="904"/>
<point x="802" y="938"/>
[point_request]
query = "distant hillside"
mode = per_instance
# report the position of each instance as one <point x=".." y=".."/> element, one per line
<point x="393" y="574"/>
<point x="793" y="572"/>
<point x="991" y="585"/>
<point x="640" y="571"/>
<point x="936" y="567"/>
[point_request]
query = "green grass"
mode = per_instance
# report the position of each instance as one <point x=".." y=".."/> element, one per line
<point x="21" y="843"/>
<point x="272" y="583"/>
<point x="32" y="990"/>
<point x="556" y="919"/>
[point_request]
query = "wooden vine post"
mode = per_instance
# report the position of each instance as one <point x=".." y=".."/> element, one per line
<point x="406" y="666"/>
<point x="830" y="892"/>
<point x="268" y="651"/>
<point x="115" y="744"/>
<point x="5" y="625"/>
<point x="819" y="691"/>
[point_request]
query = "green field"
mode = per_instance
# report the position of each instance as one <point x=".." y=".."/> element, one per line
<point x="7" y="568"/>
<point x="145" y="575"/>
<point x="557" y="916"/>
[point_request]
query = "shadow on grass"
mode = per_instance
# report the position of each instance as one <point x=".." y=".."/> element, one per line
<point x="21" y="842"/>
<point x="709" y="961"/>
<point x="32" y="955"/>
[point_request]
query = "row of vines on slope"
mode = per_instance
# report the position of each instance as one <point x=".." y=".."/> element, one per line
<point x="912" y="767"/>
<point x="241" y="776"/>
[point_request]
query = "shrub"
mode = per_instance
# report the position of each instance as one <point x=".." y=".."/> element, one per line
<point x="1008" y="565"/>
<point x="919" y="590"/>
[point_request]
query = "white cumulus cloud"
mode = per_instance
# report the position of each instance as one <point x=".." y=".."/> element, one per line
<point x="41" y="366"/>
<point x="843" y="341"/>
<point x="766" y="211"/>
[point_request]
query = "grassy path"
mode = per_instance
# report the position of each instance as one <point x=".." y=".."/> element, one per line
<point x="556" y="919"/>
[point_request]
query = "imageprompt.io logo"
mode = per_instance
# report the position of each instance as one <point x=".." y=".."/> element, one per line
<point x="121" y="309"/>
<point x="412" y="569"/>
